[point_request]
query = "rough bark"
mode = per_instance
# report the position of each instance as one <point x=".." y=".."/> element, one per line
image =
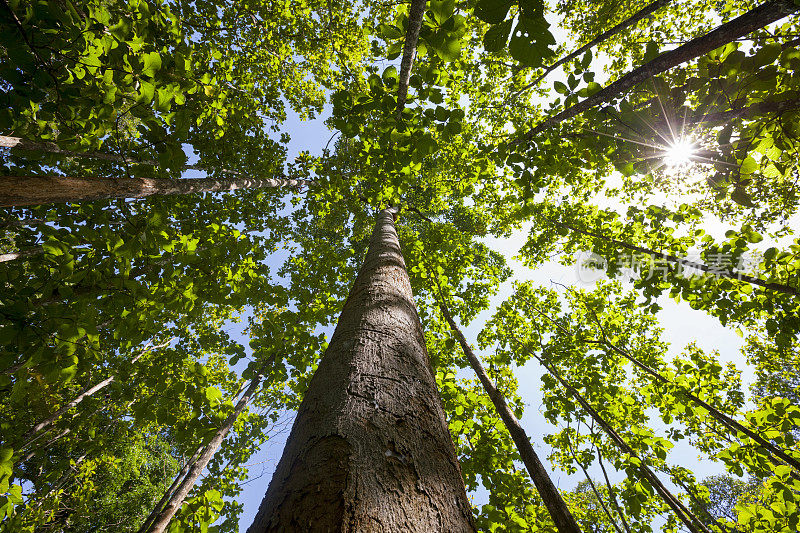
<point x="754" y="19"/>
<point x="175" y="500"/>
<point x="627" y="23"/>
<point x="37" y="190"/>
<point x="370" y="450"/>
<point x="730" y="274"/>
<point x="551" y="497"/>
<point x="415" y="14"/>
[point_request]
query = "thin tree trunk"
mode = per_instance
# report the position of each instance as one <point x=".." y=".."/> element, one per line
<point x="692" y="523"/>
<point x="52" y="148"/>
<point x="49" y="443"/>
<point x="171" y="490"/>
<point x="612" y="496"/>
<point x="761" y="108"/>
<point x="49" y="421"/>
<point x="370" y="450"/>
<point x="730" y="274"/>
<point x="754" y="19"/>
<point x="36" y="190"/>
<point x="724" y="117"/>
<point x="594" y="489"/>
<point x="161" y="521"/>
<point x="627" y="23"/>
<point x="23" y="254"/>
<point x="551" y="497"/>
<point x="19" y="223"/>
<point x="718" y="415"/>
<point x="715" y="413"/>
<point x="415" y="14"/>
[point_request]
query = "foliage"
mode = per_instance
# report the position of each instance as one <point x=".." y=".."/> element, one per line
<point x="129" y="328"/>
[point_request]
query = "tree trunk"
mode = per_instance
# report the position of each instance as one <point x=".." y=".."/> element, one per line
<point x="754" y="19"/>
<point x="415" y="15"/>
<point x="36" y="190"/>
<point x="627" y="23"/>
<point x="49" y="421"/>
<point x="52" y="148"/>
<point x="692" y="523"/>
<point x="171" y="490"/>
<point x="729" y="423"/>
<point x="31" y="252"/>
<point x="755" y="110"/>
<point x="719" y="416"/>
<point x="551" y="497"/>
<point x="161" y="521"/>
<point x="611" y="494"/>
<point x="730" y="274"/>
<point x="369" y="450"/>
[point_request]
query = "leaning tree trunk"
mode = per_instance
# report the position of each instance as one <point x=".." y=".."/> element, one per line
<point x="643" y="13"/>
<point x="416" y="13"/>
<point x="761" y="16"/>
<point x="19" y="143"/>
<point x="692" y="523"/>
<point x="559" y="512"/>
<point x="369" y="450"/>
<point x="178" y="494"/>
<point x="37" y="190"/>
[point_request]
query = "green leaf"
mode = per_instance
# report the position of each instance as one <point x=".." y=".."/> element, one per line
<point x="151" y="63"/>
<point x="651" y="51"/>
<point x="213" y="395"/>
<point x="492" y="11"/>
<point x="749" y="165"/>
<point x="590" y="89"/>
<point x="529" y="41"/>
<point x="442" y="10"/>
<point x="390" y="32"/>
<point x="146" y="92"/>
<point x="445" y="44"/>
<point x="741" y="197"/>
<point x="767" y="54"/>
<point x="389" y="73"/>
<point x="496" y="37"/>
<point x="53" y="247"/>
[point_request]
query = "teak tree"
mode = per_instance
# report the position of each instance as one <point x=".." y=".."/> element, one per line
<point x="157" y="328"/>
<point x="369" y="449"/>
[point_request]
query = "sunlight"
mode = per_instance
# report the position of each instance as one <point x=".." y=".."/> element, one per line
<point x="679" y="154"/>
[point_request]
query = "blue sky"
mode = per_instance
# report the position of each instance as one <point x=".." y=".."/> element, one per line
<point x="681" y="324"/>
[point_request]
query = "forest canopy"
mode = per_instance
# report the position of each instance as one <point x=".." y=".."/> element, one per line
<point x="179" y="288"/>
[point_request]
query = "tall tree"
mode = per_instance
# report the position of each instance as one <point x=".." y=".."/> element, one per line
<point x="759" y="17"/>
<point x="369" y="449"/>
<point x="547" y="490"/>
<point x="36" y="190"/>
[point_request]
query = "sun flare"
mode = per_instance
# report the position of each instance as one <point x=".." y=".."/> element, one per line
<point x="679" y="154"/>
